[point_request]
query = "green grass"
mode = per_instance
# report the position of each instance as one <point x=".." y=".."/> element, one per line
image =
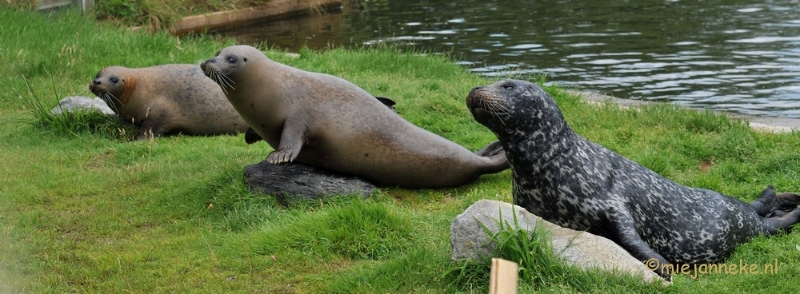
<point x="84" y="210"/>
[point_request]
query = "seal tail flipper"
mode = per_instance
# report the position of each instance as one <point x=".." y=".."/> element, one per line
<point x="496" y="157"/>
<point x="490" y="150"/>
<point x="773" y="224"/>
<point x="785" y="203"/>
<point x="765" y="202"/>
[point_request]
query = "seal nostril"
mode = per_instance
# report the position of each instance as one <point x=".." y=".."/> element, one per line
<point x="471" y="92"/>
<point x="97" y="82"/>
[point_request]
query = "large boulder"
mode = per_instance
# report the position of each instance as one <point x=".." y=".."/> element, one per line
<point x="290" y="182"/>
<point x="582" y="249"/>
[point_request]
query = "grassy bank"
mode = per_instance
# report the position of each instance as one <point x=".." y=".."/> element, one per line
<point x="89" y="212"/>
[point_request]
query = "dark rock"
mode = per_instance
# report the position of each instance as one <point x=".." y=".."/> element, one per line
<point x="290" y="182"/>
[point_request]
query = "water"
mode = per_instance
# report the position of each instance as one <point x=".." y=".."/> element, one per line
<point x="738" y="56"/>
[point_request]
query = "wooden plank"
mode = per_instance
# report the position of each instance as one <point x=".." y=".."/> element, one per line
<point x="503" y="278"/>
<point x="52" y="4"/>
<point x="240" y="17"/>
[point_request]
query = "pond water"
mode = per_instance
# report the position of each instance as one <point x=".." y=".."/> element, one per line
<point x="738" y="56"/>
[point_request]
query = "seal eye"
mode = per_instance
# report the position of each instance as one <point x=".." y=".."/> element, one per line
<point x="508" y="86"/>
<point x="114" y="80"/>
<point x="97" y="76"/>
<point x="231" y="59"/>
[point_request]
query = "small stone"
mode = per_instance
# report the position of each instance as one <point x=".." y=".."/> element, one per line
<point x="290" y="182"/>
<point x="582" y="249"/>
<point x="81" y="103"/>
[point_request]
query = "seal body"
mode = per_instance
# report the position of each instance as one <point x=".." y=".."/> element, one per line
<point x="165" y="99"/>
<point x="328" y="122"/>
<point x="581" y="185"/>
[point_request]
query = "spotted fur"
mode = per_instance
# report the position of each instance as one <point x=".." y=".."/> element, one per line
<point x="568" y="180"/>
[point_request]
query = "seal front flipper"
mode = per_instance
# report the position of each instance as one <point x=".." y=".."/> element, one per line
<point x="388" y="102"/>
<point x="629" y="238"/>
<point x="292" y="140"/>
<point x="250" y="136"/>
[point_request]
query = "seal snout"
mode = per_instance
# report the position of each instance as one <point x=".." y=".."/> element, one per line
<point x="94" y="87"/>
<point x="481" y="100"/>
<point x="214" y="71"/>
<point x="204" y="65"/>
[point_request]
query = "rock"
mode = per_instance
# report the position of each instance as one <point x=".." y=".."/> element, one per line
<point x="577" y="248"/>
<point x="81" y="103"/>
<point x="290" y="182"/>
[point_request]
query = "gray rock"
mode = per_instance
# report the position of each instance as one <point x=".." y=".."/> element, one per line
<point x="577" y="248"/>
<point x="81" y="103"/>
<point x="290" y="182"/>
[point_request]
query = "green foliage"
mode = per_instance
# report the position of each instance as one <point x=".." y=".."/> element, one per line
<point x="121" y="9"/>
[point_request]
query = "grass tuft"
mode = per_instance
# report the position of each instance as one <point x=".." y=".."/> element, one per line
<point x="67" y="123"/>
<point x="358" y="230"/>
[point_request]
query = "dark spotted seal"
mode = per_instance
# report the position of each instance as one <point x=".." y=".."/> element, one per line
<point x="581" y="185"/>
<point x="165" y="99"/>
<point x="328" y="122"/>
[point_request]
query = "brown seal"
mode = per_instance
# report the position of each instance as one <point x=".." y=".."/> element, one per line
<point x="328" y="122"/>
<point x="167" y="99"/>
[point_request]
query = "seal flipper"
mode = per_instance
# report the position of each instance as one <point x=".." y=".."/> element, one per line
<point x="784" y="203"/>
<point x="386" y="101"/>
<point x="765" y="202"/>
<point x="292" y="140"/>
<point x="627" y="237"/>
<point x="250" y="136"/>
<point x="490" y="150"/>
<point x="773" y="224"/>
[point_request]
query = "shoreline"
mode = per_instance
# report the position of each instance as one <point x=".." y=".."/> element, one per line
<point x="775" y="125"/>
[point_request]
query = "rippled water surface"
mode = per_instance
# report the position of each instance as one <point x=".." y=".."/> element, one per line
<point x="739" y="56"/>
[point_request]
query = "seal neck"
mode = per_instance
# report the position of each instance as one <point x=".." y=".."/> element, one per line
<point x="127" y="92"/>
<point x="535" y="146"/>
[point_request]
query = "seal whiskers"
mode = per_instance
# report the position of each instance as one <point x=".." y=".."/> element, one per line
<point x="220" y="78"/>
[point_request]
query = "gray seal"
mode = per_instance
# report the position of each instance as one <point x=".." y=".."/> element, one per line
<point x="568" y="180"/>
